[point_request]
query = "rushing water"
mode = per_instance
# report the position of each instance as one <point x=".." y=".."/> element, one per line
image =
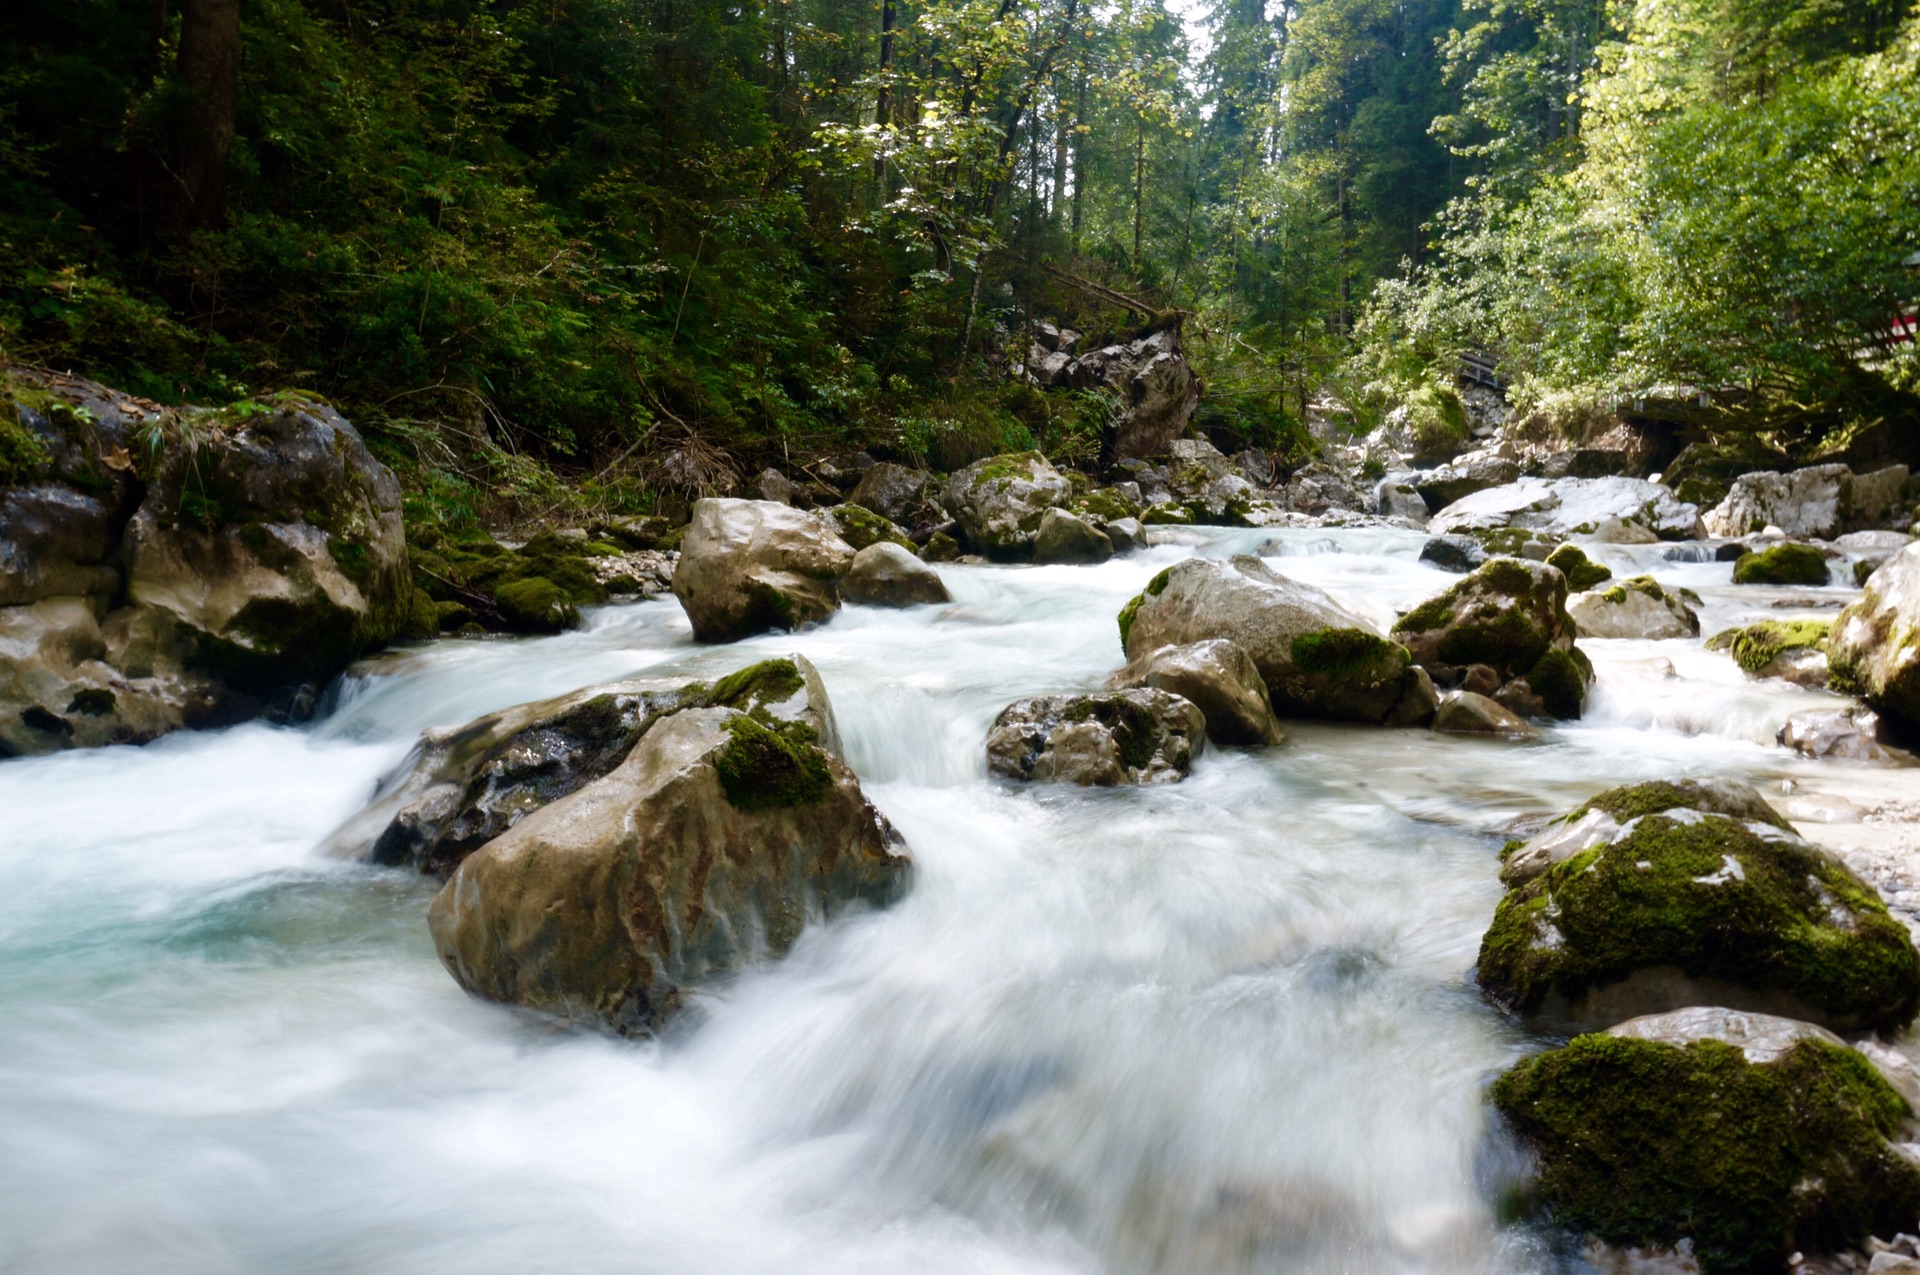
<point x="1216" y="1026"/>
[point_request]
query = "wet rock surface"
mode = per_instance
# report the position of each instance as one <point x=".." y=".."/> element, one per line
<point x="1220" y="679"/>
<point x="1099" y="740"/>
<point x="1508" y="616"/>
<point x="747" y="566"/>
<point x="886" y="575"/>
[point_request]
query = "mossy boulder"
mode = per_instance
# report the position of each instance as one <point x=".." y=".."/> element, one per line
<point x="1748" y="1136"/>
<point x="747" y="566"/>
<point x="1874" y="650"/>
<point x="861" y="527"/>
<point x="536" y="588"/>
<point x="1138" y="736"/>
<point x="1582" y="572"/>
<point x="1510" y="616"/>
<point x="1596" y="821"/>
<point x="1218" y="678"/>
<point x="535" y="604"/>
<point x="1782" y="564"/>
<point x="1638" y="607"/>
<point x="1317" y="658"/>
<point x="1682" y="906"/>
<point x="1795" y="650"/>
<point x="999" y="502"/>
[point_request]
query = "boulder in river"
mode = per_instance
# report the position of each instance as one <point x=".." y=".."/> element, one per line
<point x="893" y="491"/>
<point x="747" y="566"/>
<point x="461" y="788"/>
<point x="1874" y="651"/>
<point x="885" y="575"/>
<point x="248" y="556"/>
<point x="712" y="844"/>
<point x="1793" y="650"/>
<point x="1582" y="572"/>
<point x="1220" y="679"/>
<point x="1747" y="1136"/>
<point x="1819" y="501"/>
<point x="1654" y="899"/>
<point x="1000" y="501"/>
<point x="1561" y="507"/>
<point x="1069" y="538"/>
<point x="1640" y="607"/>
<point x="1470" y="713"/>
<point x="861" y="527"/>
<point x="1318" y="658"/>
<point x="1102" y="739"/>
<point x="1463" y="476"/>
<point x="1510" y="616"/>
<point x="1847" y="734"/>
<point x="1782" y="564"/>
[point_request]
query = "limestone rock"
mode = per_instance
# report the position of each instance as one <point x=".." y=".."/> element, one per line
<point x="1680" y="906"/>
<point x="892" y="491"/>
<point x="1820" y="502"/>
<point x="999" y="502"/>
<point x="1103" y="739"/>
<point x="1317" y="658"/>
<point x="461" y="788"/>
<point x="718" y="839"/>
<point x="747" y="566"/>
<point x="1598" y="821"/>
<point x="1510" y="616"/>
<point x="1739" y="1137"/>
<point x="1874" y="651"/>
<point x="885" y="575"/>
<point x="1463" y="476"/>
<point x="1846" y="734"/>
<point x="1453" y="553"/>
<point x="1468" y="713"/>
<point x="1158" y="391"/>
<point x="861" y="527"/>
<point x="1794" y="650"/>
<point x="1395" y="496"/>
<point x="1067" y="538"/>
<point x="1637" y="608"/>
<point x="1563" y="507"/>
<point x="1220" y="679"/>
<point x="1782" y="564"/>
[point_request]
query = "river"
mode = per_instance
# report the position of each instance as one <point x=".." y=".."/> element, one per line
<point x="1223" y="1025"/>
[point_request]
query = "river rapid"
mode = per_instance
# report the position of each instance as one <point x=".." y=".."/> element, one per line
<point x="1216" y="1026"/>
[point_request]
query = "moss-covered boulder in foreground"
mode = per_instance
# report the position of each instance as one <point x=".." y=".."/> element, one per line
<point x="1782" y="564"/>
<point x="1682" y="906"/>
<point x="1748" y="1153"/>
<point x="1509" y="616"/>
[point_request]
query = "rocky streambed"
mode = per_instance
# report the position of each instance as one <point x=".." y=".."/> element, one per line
<point x="1215" y="1009"/>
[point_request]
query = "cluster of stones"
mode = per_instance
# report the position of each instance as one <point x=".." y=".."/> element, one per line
<point x="1710" y="958"/>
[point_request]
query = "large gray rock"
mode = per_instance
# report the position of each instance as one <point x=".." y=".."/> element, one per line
<point x="1316" y="488"/>
<point x="1874" y="650"/>
<point x="1820" y="502"/>
<point x="1068" y="538"/>
<point x="460" y="788"/>
<point x="1637" y="608"/>
<point x="1470" y="713"/>
<point x="1158" y="391"/>
<point x="262" y="552"/>
<point x="747" y="566"/>
<point x="1848" y="734"/>
<point x="1220" y="679"/>
<point x="1317" y="658"/>
<point x="1462" y="477"/>
<point x="1000" y="501"/>
<point x="717" y="840"/>
<point x="885" y="575"/>
<point x="892" y="491"/>
<point x="1564" y="507"/>
<point x="1509" y="616"/>
<point x="1098" y="740"/>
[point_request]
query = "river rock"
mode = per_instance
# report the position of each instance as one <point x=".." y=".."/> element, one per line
<point x="1847" y="734"/>
<point x="1067" y="538"/>
<point x="1582" y="572"/>
<point x="1681" y="906"/>
<point x="718" y="838"/>
<point x="1782" y="564"/>
<point x="1599" y="820"/>
<point x="1820" y="502"/>
<point x="1463" y="476"/>
<point x="1395" y="496"/>
<point x="1470" y="713"/>
<point x="1562" y="507"/>
<point x="893" y="491"/>
<point x="1000" y="501"/>
<point x="1220" y="679"/>
<point x="1317" y="658"/>
<point x="1874" y="651"/>
<point x="1741" y="1137"/>
<point x="1108" y="738"/>
<point x="1453" y="553"/>
<point x="1158" y="391"/>
<point x="1636" y="608"/>
<point x="1794" y="650"/>
<point x="1510" y="616"/>
<point x="747" y="566"/>
<point x="260" y="553"/>
<point x="885" y="575"/>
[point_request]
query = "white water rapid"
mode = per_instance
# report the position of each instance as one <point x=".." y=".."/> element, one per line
<point x="1218" y="1026"/>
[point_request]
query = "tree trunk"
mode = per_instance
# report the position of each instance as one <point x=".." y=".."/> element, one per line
<point x="209" y="67"/>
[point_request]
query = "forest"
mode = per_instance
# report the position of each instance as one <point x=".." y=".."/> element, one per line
<point x="583" y="253"/>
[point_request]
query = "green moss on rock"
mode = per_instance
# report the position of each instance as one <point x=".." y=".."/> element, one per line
<point x="1645" y="1144"/>
<point x="1782" y="564"/>
<point x="1758" y="645"/>
<point x="1155" y="587"/>
<point x="1582" y="572"/>
<point x="1341" y="652"/>
<point x="768" y="682"/>
<point x="1434" y="613"/>
<point x="535" y="605"/>
<point x="769" y="765"/>
<point x="1650" y="798"/>
<point x="861" y="527"/>
<point x="1560" y="680"/>
<point x="1708" y="895"/>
